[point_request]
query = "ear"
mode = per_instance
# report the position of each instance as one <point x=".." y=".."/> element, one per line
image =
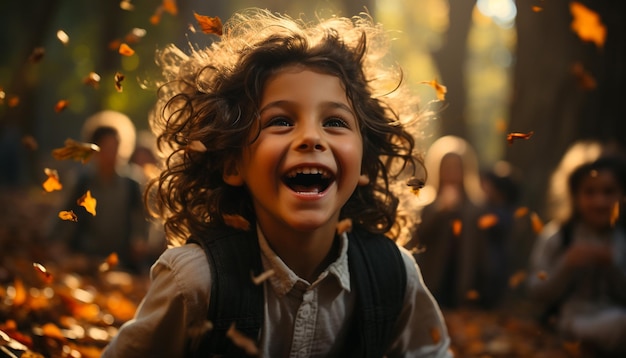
<point x="231" y="174"/>
<point x="363" y="180"/>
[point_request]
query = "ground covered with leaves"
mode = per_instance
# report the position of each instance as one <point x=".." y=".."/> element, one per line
<point x="73" y="307"/>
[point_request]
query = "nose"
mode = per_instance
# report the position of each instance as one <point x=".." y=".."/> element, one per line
<point x="310" y="138"/>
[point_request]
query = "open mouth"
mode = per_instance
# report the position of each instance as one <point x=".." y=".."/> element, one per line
<point x="309" y="180"/>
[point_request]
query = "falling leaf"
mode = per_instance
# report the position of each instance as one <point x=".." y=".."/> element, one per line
<point x="521" y="212"/>
<point x="488" y="220"/>
<point x="44" y="275"/>
<point x="75" y="150"/>
<point x="51" y="330"/>
<point x="615" y="214"/>
<point x="127" y="5"/>
<point x="457" y="227"/>
<point x="63" y="37"/>
<point x="61" y="105"/>
<point x="584" y="79"/>
<point x="209" y="25"/>
<point x="114" y="45"/>
<point x="536" y="8"/>
<point x="416" y="185"/>
<point x="92" y="79"/>
<point x="135" y="35"/>
<point x="20" y="296"/>
<point x="155" y="19"/>
<point x="236" y="221"/>
<point x="344" y="226"/>
<point x="517" y="278"/>
<point x="435" y="334"/>
<point x="88" y="202"/>
<point x="37" y="55"/>
<point x="111" y="261"/>
<point x="472" y="295"/>
<point x="542" y="275"/>
<point x="125" y="50"/>
<point x="587" y="24"/>
<point x="536" y="222"/>
<point x="511" y="137"/>
<point x="68" y="215"/>
<point x="170" y="7"/>
<point x="439" y="88"/>
<point x="52" y="183"/>
<point x="197" y="146"/>
<point x="242" y="341"/>
<point x="29" y="142"/>
<point x="262" y="277"/>
<point x="119" y="77"/>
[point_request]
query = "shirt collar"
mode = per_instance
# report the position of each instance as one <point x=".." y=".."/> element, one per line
<point x="284" y="279"/>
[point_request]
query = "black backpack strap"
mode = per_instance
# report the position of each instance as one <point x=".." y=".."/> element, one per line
<point x="379" y="277"/>
<point x="233" y="255"/>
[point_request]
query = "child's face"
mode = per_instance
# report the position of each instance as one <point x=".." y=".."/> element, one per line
<point x="306" y="162"/>
<point x="596" y="198"/>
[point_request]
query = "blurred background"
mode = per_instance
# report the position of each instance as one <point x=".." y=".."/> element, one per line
<point x="552" y="67"/>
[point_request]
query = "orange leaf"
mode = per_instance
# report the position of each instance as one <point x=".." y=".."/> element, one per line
<point x="536" y="222"/>
<point x="344" y="226"/>
<point x="488" y="220"/>
<point x="75" y="150"/>
<point x="52" y="183"/>
<point x="68" y="216"/>
<point x="13" y="101"/>
<point x="209" y="25"/>
<point x="584" y="79"/>
<point x="43" y="273"/>
<point x="88" y="202"/>
<point x="511" y="137"/>
<point x="587" y="24"/>
<point x="615" y="213"/>
<point x="517" y="278"/>
<point x="19" y="298"/>
<point x="61" y="105"/>
<point x="457" y="227"/>
<point x="125" y="50"/>
<point x="441" y="89"/>
<point x="111" y="261"/>
<point x="119" y="77"/>
<point x="521" y="212"/>
<point x="170" y="7"/>
<point x="472" y="295"/>
<point x="537" y="8"/>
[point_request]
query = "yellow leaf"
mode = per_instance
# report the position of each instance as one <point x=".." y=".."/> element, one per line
<point x="537" y="224"/>
<point x="587" y="24"/>
<point x="457" y="227"/>
<point x="52" y="183"/>
<point x="441" y="89"/>
<point x="75" y="150"/>
<point x="126" y="50"/>
<point x="68" y="215"/>
<point x="488" y="220"/>
<point x="88" y="202"/>
<point x="209" y="25"/>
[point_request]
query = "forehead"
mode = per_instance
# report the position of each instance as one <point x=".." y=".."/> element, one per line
<point x="602" y="178"/>
<point x="298" y="80"/>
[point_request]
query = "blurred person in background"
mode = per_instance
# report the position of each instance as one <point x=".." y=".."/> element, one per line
<point x="120" y="224"/>
<point x="578" y="267"/>
<point x="450" y="245"/>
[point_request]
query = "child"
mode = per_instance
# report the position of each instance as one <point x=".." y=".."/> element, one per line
<point x="579" y="268"/>
<point x="277" y="135"/>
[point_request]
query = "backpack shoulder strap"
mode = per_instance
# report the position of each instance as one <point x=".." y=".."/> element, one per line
<point x="234" y="256"/>
<point x="378" y="272"/>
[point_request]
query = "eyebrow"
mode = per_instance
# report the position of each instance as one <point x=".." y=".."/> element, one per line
<point x="326" y="104"/>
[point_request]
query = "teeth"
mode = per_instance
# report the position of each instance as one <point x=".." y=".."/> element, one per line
<point x="308" y="170"/>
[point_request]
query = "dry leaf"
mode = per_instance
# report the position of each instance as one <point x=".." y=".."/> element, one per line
<point x="63" y="37"/>
<point x="119" y="77"/>
<point x="511" y="137"/>
<point x="52" y="183"/>
<point x="344" y="226"/>
<point x="488" y="220"/>
<point x="587" y="24"/>
<point x="536" y="222"/>
<point x="125" y="50"/>
<point x="242" y="341"/>
<point x="457" y="227"/>
<point x="111" y="261"/>
<point x="61" y="105"/>
<point x="75" y="150"/>
<point x="517" y="278"/>
<point x="615" y="214"/>
<point x="37" y="55"/>
<point x="92" y="79"/>
<point x="68" y="216"/>
<point x="439" y="88"/>
<point x="262" y="277"/>
<point x="209" y="25"/>
<point x="197" y="146"/>
<point x="537" y="8"/>
<point x="521" y="212"/>
<point x="44" y="275"/>
<point x="236" y="221"/>
<point x="170" y="7"/>
<point x="20" y="296"/>
<point x="51" y="330"/>
<point x="88" y="202"/>
<point x="155" y="19"/>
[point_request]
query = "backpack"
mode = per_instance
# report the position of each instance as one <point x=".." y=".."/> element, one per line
<point x="377" y="273"/>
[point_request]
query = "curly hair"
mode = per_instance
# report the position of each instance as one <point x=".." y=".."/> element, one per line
<point x="208" y="106"/>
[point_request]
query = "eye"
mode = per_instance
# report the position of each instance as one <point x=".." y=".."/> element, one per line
<point x="336" y="122"/>
<point x="279" y="122"/>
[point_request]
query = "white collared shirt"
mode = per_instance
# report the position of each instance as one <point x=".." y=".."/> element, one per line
<point x="301" y="319"/>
